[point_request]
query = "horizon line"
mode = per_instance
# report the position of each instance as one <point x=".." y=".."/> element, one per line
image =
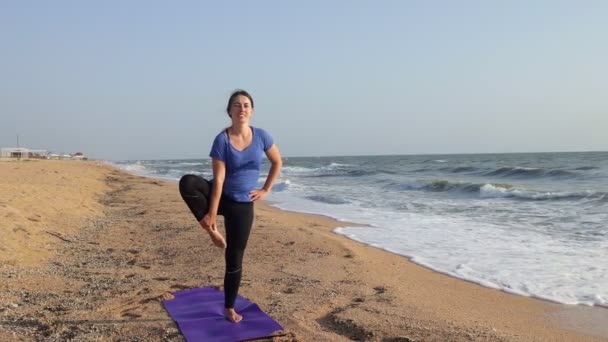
<point x="382" y="155"/>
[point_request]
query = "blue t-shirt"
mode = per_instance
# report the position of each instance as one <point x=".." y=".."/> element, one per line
<point x="242" y="167"/>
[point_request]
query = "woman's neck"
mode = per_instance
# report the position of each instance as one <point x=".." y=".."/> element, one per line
<point x="240" y="129"/>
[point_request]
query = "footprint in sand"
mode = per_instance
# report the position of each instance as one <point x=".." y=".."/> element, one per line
<point x="131" y="315"/>
<point x="145" y="290"/>
<point x="20" y="228"/>
<point x="155" y="299"/>
<point x="380" y="289"/>
<point x="161" y="278"/>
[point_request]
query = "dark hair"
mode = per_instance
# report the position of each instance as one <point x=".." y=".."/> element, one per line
<point x="238" y="92"/>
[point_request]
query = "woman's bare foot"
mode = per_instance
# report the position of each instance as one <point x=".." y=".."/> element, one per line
<point x="214" y="234"/>
<point x="217" y="238"/>
<point x="232" y="315"/>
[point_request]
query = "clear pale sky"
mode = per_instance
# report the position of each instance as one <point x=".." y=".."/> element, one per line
<point x="150" y="79"/>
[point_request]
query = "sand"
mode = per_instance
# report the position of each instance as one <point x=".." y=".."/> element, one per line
<point x="88" y="252"/>
<point x="42" y="200"/>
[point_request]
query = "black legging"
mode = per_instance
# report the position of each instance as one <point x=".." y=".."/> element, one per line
<point x="238" y="218"/>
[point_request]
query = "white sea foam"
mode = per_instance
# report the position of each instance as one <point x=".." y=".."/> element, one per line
<point x="334" y="165"/>
<point x="136" y="167"/>
<point x="331" y="169"/>
<point x="496" y="191"/>
<point x="280" y="186"/>
<point x="187" y="163"/>
<point x="296" y="170"/>
<point x="513" y="258"/>
<point x="491" y="191"/>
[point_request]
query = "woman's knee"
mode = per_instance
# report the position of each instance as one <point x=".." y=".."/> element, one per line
<point x="187" y="184"/>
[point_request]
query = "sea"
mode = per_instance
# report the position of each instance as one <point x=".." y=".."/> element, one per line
<point x="532" y="224"/>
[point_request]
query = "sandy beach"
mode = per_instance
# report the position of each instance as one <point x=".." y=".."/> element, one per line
<point x="89" y="252"/>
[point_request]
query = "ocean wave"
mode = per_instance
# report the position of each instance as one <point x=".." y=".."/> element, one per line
<point x="346" y="173"/>
<point x="497" y="190"/>
<point x="281" y="186"/>
<point x="463" y="187"/>
<point x="434" y="161"/>
<point x="529" y="172"/>
<point x="296" y="169"/>
<point x="459" y="169"/>
<point x="388" y="172"/>
<point x="136" y="167"/>
<point x="440" y="186"/>
<point x="492" y="191"/>
<point x="328" y="199"/>
<point x="403" y="186"/>
<point x="331" y="170"/>
<point x="339" y="165"/>
<point x="424" y="169"/>
<point x="189" y="163"/>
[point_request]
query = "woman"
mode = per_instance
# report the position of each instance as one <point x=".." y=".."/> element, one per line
<point x="236" y="158"/>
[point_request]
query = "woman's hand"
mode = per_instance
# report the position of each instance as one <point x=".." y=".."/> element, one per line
<point x="258" y="194"/>
<point x="209" y="221"/>
<point x="209" y="224"/>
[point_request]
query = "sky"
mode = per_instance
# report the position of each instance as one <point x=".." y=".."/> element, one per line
<point x="135" y="79"/>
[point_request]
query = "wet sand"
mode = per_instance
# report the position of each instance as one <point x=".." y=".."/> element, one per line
<point x="88" y="252"/>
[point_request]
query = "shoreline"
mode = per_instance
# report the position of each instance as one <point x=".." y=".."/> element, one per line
<point x="410" y="259"/>
<point x="107" y="280"/>
<point x="568" y="315"/>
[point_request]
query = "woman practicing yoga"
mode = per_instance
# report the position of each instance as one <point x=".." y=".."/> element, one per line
<point x="236" y="156"/>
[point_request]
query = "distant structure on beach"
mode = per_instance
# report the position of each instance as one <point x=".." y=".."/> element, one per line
<point x="26" y="153"/>
<point x="21" y="152"/>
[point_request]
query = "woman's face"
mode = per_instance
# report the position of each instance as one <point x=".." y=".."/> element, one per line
<point x="241" y="109"/>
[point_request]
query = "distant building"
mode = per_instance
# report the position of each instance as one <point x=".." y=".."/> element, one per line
<point x="79" y="156"/>
<point x="26" y="153"/>
<point x="21" y="152"/>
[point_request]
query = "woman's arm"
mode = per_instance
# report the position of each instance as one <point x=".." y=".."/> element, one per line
<point x="274" y="156"/>
<point x="219" y="174"/>
<point x="209" y="221"/>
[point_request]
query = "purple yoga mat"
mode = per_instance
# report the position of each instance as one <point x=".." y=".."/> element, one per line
<point x="199" y="313"/>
